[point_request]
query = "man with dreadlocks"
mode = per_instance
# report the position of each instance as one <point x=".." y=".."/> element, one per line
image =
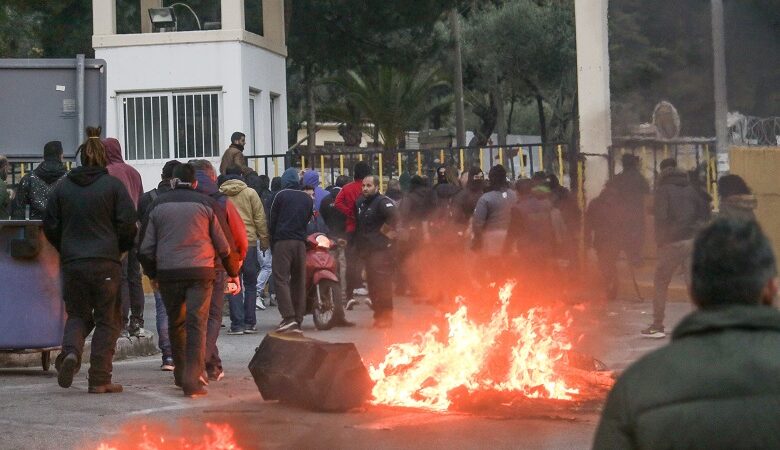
<point x="91" y="221"/>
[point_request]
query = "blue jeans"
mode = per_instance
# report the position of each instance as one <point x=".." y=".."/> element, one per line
<point x="264" y="259"/>
<point x="213" y="362"/>
<point x="242" y="305"/>
<point x="164" y="340"/>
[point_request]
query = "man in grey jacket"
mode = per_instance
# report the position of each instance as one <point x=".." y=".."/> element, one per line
<point x="182" y="236"/>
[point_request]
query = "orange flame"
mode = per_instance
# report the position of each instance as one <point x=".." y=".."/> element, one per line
<point x="220" y="438"/>
<point x="421" y="373"/>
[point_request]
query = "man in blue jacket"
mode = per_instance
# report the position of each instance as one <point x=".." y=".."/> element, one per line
<point x="290" y="213"/>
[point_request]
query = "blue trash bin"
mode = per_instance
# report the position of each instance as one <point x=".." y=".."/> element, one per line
<point x="32" y="314"/>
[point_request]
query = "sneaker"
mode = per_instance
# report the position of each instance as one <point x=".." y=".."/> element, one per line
<point x="110" y="388"/>
<point x="260" y="304"/>
<point x="360" y="291"/>
<point x="124" y="334"/>
<point x="236" y="331"/>
<point x="67" y="370"/>
<point x="167" y="365"/>
<point x="654" y="332"/>
<point x="250" y="330"/>
<point x="272" y="301"/>
<point x="351" y="304"/>
<point x="288" y="326"/>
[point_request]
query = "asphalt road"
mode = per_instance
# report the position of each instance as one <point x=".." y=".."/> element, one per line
<point x="37" y="414"/>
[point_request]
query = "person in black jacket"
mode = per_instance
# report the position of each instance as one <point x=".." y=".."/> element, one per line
<point x="377" y="217"/>
<point x="717" y="384"/>
<point x="144" y="204"/>
<point x="290" y="213"/>
<point x="34" y="188"/>
<point x="679" y="213"/>
<point x="90" y="220"/>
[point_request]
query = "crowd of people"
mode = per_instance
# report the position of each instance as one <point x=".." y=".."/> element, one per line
<point x="205" y="236"/>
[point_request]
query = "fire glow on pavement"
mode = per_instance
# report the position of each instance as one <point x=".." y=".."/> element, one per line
<point x="149" y="437"/>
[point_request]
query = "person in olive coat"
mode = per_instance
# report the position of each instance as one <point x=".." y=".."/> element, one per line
<point x="717" y="384"/>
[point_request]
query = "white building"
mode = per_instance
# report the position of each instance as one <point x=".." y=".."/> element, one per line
<point x="181" y="94"/>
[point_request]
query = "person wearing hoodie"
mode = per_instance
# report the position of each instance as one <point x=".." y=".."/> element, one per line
<point x="234" y="155"/>
<point x="345" y="202"/>
<point x="161" y="316"/>
<point x="181" y="238"/>
<point x="736" y="199"/>
<point x="679" y="213"/>
<point x="290" y="213"/>
<point x="466" y="199"/>
<point x="236" y="235"/>
<point x="312" y="178"/>
<point x="132" y="291"/>
<point x="90" y="220"/>
<point x="34" y="188"/>
<point x="242" y="307"/>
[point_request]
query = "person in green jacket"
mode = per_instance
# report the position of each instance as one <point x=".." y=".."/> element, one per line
<point x="5" y="196"/>
<point x="717" y="384"/>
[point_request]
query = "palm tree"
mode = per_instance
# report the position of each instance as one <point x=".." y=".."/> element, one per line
<point x="392" y="100"/>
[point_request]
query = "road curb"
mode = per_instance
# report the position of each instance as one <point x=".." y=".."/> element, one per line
<point x="126" y="347"/>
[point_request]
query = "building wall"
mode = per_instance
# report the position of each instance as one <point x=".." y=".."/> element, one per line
<point x="231" y="68"/>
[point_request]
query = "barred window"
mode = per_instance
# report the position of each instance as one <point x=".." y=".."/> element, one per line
<point x="197" y="125"/>
<point x="146" y="127"/>
<point x="171" y="125"/>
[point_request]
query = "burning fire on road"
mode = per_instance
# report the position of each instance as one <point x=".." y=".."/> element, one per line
<point x="505" y="359"/>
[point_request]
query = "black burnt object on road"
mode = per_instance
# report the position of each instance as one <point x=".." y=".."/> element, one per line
<point x="316" y="375"/>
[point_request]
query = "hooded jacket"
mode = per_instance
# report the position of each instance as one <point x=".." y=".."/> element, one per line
<point x="291" y="210"/>
<point x="34" y="189"/>
<point x="312" y="178"/>
<point x="182" y="237"/>
<point x="715" y="386"/>
<point x="679" y="209"/>
<point x="118" y="168"/>
<point x="233" y="156"/>
<point x="236" y="232"/>
<point x="90" y="215"/>
<point x="346" y="201"/>
<point x="250" y="208"/>
<point x="740" y="207"/>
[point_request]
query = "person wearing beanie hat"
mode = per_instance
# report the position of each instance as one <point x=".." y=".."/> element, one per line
<point x="144" y="206"/>
<point x="34" y="188"/>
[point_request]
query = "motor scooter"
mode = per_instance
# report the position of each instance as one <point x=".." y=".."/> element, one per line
<point x="323" y="291"/>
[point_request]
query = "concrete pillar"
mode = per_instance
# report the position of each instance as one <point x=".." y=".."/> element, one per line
<point x="146" y="23"/>
<point x="273" y="20"/>
<point x="103" y="17"/>
<point x="232" y="15"/>
<point x="593" y="91"/>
